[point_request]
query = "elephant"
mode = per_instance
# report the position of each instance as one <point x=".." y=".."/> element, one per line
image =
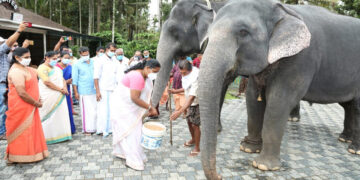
<point x="182" y="34"/>
<point x="290" y="53"/>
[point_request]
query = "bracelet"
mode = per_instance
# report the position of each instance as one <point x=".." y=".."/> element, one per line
<point x="19" y="32"/>
<point x="149" y="108"/>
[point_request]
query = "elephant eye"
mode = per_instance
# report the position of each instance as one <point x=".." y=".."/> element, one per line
<point x="243" y="33"/>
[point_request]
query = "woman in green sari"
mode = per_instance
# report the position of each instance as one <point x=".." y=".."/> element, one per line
<point x="54" y="112"/>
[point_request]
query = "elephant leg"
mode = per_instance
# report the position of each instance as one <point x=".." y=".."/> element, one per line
<point x="345" y="136"/>
<point x="354" y="147"/>
<point x="255" y="109"/>
<point x="278" y="107"/>
<point x="295" y="113"/>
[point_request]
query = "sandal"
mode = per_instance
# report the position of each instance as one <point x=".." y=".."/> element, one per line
<point x="187" y="144"/>
<point x="194" y="153"/>
<point x="87" y="134"/>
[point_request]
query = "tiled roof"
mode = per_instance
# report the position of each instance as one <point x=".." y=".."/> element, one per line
<point x="33" y="18"/>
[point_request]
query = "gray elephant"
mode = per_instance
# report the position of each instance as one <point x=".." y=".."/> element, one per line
<point x="182" y="34"/>
<point x="290" y="52"/>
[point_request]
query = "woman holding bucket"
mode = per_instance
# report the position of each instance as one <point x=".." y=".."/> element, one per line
<point x="130" y="101"/>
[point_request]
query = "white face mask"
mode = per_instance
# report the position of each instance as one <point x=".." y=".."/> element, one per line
<point x="152" y="76"/>
<point x="25" y="61"/>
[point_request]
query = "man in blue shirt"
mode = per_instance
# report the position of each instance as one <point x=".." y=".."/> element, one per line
<point x="4" y="68"/>
<point x="84" y="90"/>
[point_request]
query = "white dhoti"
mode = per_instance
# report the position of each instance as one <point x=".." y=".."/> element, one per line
<point x="126" y="118"/>
<point x="88" y="112"/>
<point x="103" y="124"/>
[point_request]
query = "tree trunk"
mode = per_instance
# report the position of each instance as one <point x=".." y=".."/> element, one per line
<point x="98" y="15"/>
<point x="113" y="22"/>
<point x="60" y="11"/>
<point x="80" y="27"/>
<point x="35" y="6"/>
<point x="91" y="15"/>
<point x="50" y="7"/>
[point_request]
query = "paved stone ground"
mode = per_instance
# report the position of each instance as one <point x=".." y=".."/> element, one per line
<point x="310" y="150"/>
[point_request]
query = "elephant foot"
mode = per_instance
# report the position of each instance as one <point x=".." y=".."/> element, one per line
<point x="266" y="163"/>
<point x="250" y="146"/>
<point x="354" y="149"/>
<point x="294" y="119"/>
<point x="344" y="138"/>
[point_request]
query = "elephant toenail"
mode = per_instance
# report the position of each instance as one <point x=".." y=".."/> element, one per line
<point x="351" y="151"/>
<point x="254" y="164"/>
<point x="263" y="167"/>
<point x="248" y="150"/>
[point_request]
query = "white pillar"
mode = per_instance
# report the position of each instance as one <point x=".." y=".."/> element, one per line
<point x="44" y="42"/>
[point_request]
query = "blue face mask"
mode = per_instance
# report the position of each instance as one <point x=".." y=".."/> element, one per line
<point x="70" y="54"/>
<point x="120" y="58"/>
<point x="53" y="63"/>
<point x="101" y="54"/>
<point x="65" y="61"/>
<point x="146" y="56"/>
<point x="84" y="58"/>
<point x="188" y="58"/>
<point x="110" y="54"/>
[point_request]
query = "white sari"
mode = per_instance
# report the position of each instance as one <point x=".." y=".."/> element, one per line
<point x="126" y="118"/>
<point x="54" y="112"/>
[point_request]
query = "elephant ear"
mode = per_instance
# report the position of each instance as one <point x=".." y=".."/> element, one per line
<point x="290" y="34"/>
<point x="208" y="8"/>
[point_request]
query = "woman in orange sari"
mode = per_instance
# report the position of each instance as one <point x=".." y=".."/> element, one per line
<point x="26" y="141"/>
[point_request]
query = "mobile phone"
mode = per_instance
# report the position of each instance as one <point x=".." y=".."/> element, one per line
<point x="67" y="38"/>
<point x="31" y="42"/>
<point x="29" y="24"/>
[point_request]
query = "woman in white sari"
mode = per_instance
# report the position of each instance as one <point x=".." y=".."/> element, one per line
<point x="54" y="112"/>
<point x="130" y="101"/>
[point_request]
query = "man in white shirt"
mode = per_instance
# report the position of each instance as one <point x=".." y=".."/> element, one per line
<point x="190" y="85"/>
<point x="135" y="59"/>
<point x="124" y="61"/>
<point x="99" y="52"/>
<point x="106" y="69"/>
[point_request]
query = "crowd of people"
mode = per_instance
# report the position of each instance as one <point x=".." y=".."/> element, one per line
<point x="113" y="93"/>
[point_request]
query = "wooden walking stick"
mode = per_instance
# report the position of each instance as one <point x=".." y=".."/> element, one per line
<point x="170" y="111"/>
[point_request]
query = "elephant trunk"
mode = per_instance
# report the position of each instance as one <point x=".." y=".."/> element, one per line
<point x="212" y="79"/>
<point x="165" y="54"/>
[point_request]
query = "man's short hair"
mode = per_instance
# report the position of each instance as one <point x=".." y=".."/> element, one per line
<point x="185" y="65"/>
<point x="109" y="45"/>
<point x="99" y="48"/>
<point x="83" y="49"/>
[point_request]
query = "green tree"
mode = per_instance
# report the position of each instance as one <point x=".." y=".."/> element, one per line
<point x="349" y="7"/>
